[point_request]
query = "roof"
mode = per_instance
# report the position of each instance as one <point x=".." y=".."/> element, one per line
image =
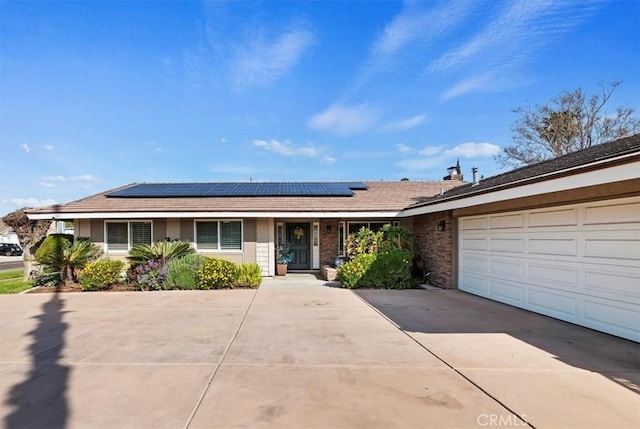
<point x="378" y="197"/>
<point x="545" y="170"/>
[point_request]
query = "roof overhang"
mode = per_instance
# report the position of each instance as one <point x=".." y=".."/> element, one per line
<point x="214" y="214"/>
<point x="579" y="177"/>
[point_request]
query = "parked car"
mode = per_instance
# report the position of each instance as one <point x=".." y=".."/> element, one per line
<point x="10" y="249"/>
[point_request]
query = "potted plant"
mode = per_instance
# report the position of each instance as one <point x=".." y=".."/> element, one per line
<point x="285" y="256"/>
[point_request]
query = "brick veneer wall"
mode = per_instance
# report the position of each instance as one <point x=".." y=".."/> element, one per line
<point x="328" y="241"/>
<point x="435" y="247"/>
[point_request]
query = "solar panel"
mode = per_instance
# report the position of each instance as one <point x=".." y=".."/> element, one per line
<point x="239" y="189"/>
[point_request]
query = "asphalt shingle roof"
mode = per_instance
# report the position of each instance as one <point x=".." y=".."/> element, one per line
<point x="380" y="196"/>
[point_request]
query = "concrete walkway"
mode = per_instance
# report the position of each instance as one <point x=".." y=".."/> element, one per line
<point x="298" y="354"/>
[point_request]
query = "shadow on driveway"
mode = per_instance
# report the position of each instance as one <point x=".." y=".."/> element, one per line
<point x="40" y="400"/>
<point x="455" y="312"/>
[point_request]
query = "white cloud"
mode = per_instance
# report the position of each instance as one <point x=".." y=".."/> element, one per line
<point x="473" y="150"/>
<point x="84" y="180"/>
<point x="403" y="148"/>
<point x="259" y="62"/>
<point x="31" y="202"/>
<point x="48" y="147"/>
<point x="286" y="148"/>
<point x="344" y="120"/>
<point x="430" y="150"/>
<point x="25" y="147"/>
<point x="405" y="124"/>
<point x="327" y="159"/>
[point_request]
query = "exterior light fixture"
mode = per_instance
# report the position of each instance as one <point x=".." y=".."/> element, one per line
<point x="442" y="225"/>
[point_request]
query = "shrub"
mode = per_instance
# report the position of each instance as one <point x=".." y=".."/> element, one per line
<point x="249" y="275"/>
<point x="350" y="274"/>
<point x="386" y="239"/>
<point x="151" y="275"/>
<point x="182" y="273"/>
<point x="101" y="274"/>
<point x="166" y="250"/>
<point x="57" y="254"/>
<point x="216" y="273"/>
<point x="391" y="270"/>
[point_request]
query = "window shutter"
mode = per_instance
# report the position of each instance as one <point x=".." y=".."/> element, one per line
<point x="117" y="236"/>
<point x="207" y="235"/>
<point x="140" y="233"/>
<point x="231" y="235"/>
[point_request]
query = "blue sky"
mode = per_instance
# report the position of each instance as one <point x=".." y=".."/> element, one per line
<point x="94" y="95"/>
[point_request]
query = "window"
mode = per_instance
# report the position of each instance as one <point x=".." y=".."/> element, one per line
<point x="341" y="239"/>
<point x="124" y="235"/>
<point x="219" y="235"/>
<point x="373" y="226"/>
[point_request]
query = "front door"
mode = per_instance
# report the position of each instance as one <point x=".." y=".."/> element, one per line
<point x="298" y="237"/>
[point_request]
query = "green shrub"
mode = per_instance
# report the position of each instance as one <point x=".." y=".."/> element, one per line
<point x="249" y="275"/>
<point x="158" y="250"/>
<point x="389" y="270"/>
<point x="216" y="273"/>
<point x="183" y="272"/>
<point x="57" y="254"/>
<point x="350" y="274"/>
<point x="101" y="274"/>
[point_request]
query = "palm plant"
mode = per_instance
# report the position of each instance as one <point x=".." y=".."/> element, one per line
<point x="59" y="255"/>
<point x="163" y="250"/>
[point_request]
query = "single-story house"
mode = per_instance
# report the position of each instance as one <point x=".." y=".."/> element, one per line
<point x="561" y="237"/>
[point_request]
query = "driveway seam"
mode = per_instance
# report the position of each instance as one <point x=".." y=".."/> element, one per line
<point x="217" y="368"/>
<point x="469" y="380"/>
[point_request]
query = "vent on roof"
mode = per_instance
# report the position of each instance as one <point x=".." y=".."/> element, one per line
<point x="240" y="189"/>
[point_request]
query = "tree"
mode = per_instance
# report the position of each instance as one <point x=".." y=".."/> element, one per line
<point x="569" y="122"/>
<point x="30" y="234"/>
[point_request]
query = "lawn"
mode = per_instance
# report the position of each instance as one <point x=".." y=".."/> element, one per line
<point x="13" y="274"/>
<point x="12" y="282"/>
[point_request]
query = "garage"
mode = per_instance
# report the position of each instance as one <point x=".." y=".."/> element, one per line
<point x="578" y="262"/>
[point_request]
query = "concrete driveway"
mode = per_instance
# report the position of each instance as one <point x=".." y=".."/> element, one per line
<point x="297" y="354"/>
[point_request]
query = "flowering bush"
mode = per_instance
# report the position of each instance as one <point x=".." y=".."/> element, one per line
<point x="151" y="275"/>
<point x="350" y="274"/>
<point x="101" y="274"/>
<point x="249" y="275"/>
<point x="216" y="273"/>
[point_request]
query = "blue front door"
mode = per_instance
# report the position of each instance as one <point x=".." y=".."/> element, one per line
<point x="298" y="237"/>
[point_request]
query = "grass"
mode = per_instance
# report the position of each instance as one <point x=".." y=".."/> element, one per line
<point x="13" y="274"/>
<point x="14" y="285"/>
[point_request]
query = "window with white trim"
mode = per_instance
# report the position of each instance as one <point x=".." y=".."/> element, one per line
<point x="124" y="235"/>
<point x="218" y="235"/>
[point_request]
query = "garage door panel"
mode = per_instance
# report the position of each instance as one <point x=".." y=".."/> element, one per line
<point x="553" y="218"/>
<point x="513" y="268"/>
<point x="579" y="263"/>
<point x="553" y="303"/>
<point x="473" y="224"/>
<point x="474" y="284"/>
<point x="553" y="246"/>
<point x="616" y="285"/>
<point x="511" y="245"/>
<point x="507" y="221"/>
<point x="563" y="276"/>
<point x="474" y="264"/>
<point x="606" y="316"/>
<point x="474" y="243"/>
<point x="509" y="292"/>
<point x="607" y="214"/>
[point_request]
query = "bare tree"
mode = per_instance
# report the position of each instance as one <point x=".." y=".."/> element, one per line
<point x="569" y="122"/>
<point x="30" y="234"/>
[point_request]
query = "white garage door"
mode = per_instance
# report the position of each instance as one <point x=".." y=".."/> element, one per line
<point x="579" y="263"/>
